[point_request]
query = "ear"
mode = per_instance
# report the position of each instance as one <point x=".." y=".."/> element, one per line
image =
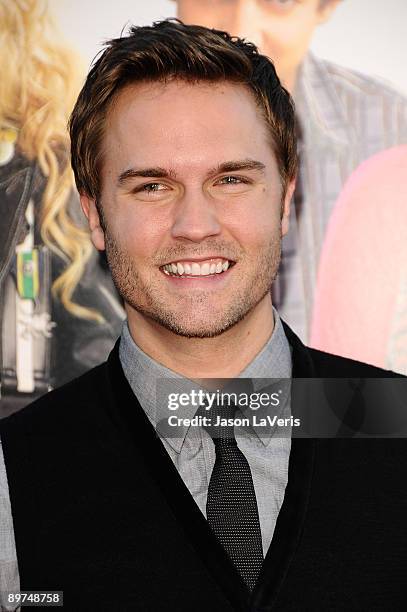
<point x="91" y="213"/>
<point x="285" y="223"/>
<point x="326" y="10"/>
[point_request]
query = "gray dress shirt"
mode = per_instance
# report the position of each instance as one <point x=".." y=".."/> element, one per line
<point x="193" y="450"/>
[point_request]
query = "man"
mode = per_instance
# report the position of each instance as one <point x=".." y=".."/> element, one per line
<point x="344" y="118"/>
<point x="183" y="149"/>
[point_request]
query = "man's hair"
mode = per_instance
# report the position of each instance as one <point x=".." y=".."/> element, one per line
<point x="168" y="50"/>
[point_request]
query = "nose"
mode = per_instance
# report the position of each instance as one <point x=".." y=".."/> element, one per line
<point x="249" y="22"/>
<point x="195" y="217"/>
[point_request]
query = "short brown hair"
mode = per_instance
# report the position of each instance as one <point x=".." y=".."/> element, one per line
<point x="170" y="49"/>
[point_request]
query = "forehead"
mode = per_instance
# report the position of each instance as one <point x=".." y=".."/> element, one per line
<point x="185" y="122"/>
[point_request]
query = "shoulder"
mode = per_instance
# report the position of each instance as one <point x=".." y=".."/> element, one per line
<point x="358" y="83"/>
<point x="73" y="403"/>
<point x="310" y="362"/>
<point x="329" y="365"/>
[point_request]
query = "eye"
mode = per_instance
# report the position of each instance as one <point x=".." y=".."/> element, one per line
<point x="231" y="180"/>
<point x="151" y="191"/>
<point x="150" y="188"/>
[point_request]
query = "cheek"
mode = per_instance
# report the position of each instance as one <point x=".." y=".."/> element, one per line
<point x="255" y="226"/>
<point x="139" y="234"/>
<point x="299" y="37"/>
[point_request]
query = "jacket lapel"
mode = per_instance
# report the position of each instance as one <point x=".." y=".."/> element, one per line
<point x="16" y="187"/>
<point x="292" y="514"/>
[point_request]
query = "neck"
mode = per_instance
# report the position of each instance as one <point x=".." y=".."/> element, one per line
<point x="224" y="356"/>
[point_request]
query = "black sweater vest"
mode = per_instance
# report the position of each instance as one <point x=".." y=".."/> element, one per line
<point x="101" y="513"/>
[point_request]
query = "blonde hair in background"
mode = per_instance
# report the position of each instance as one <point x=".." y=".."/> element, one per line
<point x="38" y="88"/>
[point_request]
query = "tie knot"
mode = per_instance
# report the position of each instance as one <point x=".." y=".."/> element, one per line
<point x="221" y="425"/>
<point x="223" y="444"/>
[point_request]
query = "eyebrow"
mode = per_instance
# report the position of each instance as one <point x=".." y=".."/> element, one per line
<point x="158" y="172"/>
<point x="144" y="173"/>
<point x="234" y="166"/>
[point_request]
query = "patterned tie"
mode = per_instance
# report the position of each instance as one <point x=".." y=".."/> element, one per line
<point x="231" y="506"/>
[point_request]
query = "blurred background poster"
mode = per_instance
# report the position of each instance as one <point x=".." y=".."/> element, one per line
<point x="343" y="279"/>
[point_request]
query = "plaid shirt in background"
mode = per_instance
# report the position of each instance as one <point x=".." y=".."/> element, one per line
<point x="344" y="118"/>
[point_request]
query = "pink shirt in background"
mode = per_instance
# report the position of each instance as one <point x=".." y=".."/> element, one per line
<point x="361" y="296"/>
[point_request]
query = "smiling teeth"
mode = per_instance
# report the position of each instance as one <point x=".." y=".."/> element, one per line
<point x="196" y="269"/>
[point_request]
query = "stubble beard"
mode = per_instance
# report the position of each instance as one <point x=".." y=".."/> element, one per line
<point x="146" y="297"/>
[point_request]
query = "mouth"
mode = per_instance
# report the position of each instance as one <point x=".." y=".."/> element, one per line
<point x="213" y="266"/>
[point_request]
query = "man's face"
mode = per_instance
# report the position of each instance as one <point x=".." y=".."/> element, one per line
<point x="190" y="184"/>
<point x="282" y="29"/>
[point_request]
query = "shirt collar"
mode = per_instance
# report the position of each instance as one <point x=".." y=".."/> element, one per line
<point x="146" y="377"/>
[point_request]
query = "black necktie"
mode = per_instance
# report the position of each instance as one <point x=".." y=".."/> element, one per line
<point x="231" y="506"/>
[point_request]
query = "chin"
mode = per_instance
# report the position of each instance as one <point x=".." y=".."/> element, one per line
<point x="204" y="327"/>
<point x="200" y="331"/>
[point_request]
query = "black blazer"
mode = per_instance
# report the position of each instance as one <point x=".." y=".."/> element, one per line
<point x="101" y="512"/>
